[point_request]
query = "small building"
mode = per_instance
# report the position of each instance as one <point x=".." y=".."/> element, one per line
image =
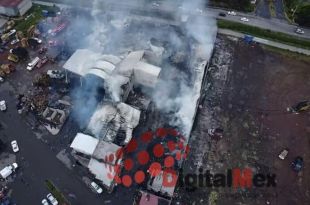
<point x="145" y="198"/>
<point x="84" y="144"/>
<point x="102" y="158"/>
<point x="14" y="7"/>
<point x="164" y="183"/>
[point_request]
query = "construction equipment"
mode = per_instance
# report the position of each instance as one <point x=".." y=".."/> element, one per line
<point x="300" y="107"/>
<point x="13" y="58"/>
<point x="31" y="31"/>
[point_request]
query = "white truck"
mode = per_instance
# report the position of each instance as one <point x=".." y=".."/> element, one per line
<point x="33" y="63"/>
<point x="8" y="170"/>
<point x="2" y="105"/>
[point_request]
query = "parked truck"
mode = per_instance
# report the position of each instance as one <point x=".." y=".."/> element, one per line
<point x="8" y="170"/>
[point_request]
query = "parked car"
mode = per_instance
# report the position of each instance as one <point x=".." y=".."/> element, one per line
<point x="52" y="199"/>
<point x="42" y="62"/>
<point x="38" y="40"/>
<point x="297" y="164"/>
<point x="222" y="14"/>
<point x="55" y="74"/>
<point x="44" y="202"/>
<point x="283" y="154"/>
<point x="299" y="31"/>
<point x="232" y="13"/>
<point x="14" y="145"/>
<point x="244" y="19"/>
<point x="2" y="105"/>
<point x="14" y="41"/>
<point x="12" y="32"/>
<point x="8" y="170"/>
<point x="95" y="187"/>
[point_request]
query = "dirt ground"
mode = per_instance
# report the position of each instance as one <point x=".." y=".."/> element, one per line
<point x="249" y="91"/>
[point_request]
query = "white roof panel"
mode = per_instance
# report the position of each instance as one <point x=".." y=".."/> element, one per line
<point x="85" y="144"/>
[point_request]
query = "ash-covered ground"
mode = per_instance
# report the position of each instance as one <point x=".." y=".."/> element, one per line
<point x="248" y="91"/>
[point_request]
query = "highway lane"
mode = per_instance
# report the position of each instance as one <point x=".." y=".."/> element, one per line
<point x="279" y="25"/>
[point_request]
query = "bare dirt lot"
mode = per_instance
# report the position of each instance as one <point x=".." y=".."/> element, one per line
<point x="250" y="89"/>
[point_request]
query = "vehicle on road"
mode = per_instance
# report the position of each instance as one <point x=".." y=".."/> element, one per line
<point x="52" y="199"/>
<point x="299" y="31"/>
<point x="244" y="19"/>
<point x="2" y="105"/>
<point x="297" y="164"/>
<point x="44" y="202"/>
<point x="14" y="41"/>
<point x="222" y="14"/>
<point x="8" y="170"/>
<point x="1" y="79"/>
<point x="56" y="74"/>
<point x="33" y="63"/>
<point x="14" y="145"/>
<point x="283" y="154"/>
<point x="42" y="62"/>
<point x="232" y="13"/>
<point x="95" y="187"/>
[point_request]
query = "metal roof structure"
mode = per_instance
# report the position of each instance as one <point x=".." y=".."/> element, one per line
<point x="85" y="144"/>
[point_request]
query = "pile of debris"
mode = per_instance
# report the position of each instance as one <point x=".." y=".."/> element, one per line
<point x="6" y="69"/>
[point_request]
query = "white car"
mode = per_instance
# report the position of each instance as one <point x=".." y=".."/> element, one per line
<point x="14" y="41"/>
<point x="57" y="74"/>
<point x="2" y="105"/>
<point x="52" y="199"/>
<point x="283" y="154"/>
<point x="38" y="40"/>
<point x="244" y="19"/>
<point x="96" y="187"/>
<point x="14" y="145"/>
<point x="299" y="31"/>
<point x="1" y="79"/>
<point x="44" y="202"/>
<point x="232" y="13"/>
<point x="155" y="4"/>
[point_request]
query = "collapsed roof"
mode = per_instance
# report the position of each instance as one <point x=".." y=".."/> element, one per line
<point x="84" y="61"/>
<point x="109" y="119"/>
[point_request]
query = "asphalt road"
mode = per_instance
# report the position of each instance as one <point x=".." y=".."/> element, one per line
<point x="38" y="162"/>
<point x="279" y="25"/>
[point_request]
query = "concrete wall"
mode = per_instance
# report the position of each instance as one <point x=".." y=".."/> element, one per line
<point x="24" y="6"/>
<point x="19" y="10"/>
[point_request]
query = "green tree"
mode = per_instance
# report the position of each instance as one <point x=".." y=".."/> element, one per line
<point x="303" y="15"/>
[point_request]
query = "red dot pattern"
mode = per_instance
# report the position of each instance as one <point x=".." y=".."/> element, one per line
<point x="158" y="150"/>
<point x="176" y="145"/>
<point x="143" y="157"/>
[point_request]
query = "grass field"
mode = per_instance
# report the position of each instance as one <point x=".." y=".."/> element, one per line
<point x="56" y="193"/>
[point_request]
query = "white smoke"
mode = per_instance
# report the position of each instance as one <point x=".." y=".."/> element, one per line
<point x="192" y="40"/>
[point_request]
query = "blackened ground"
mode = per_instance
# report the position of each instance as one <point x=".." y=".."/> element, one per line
<point x="251" y="108"/>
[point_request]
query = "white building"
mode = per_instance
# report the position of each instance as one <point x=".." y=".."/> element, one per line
<point x="14" y="7"/>
<point x="102" y="158"/>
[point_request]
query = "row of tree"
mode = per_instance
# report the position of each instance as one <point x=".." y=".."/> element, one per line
<point x="299" y="10"/>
